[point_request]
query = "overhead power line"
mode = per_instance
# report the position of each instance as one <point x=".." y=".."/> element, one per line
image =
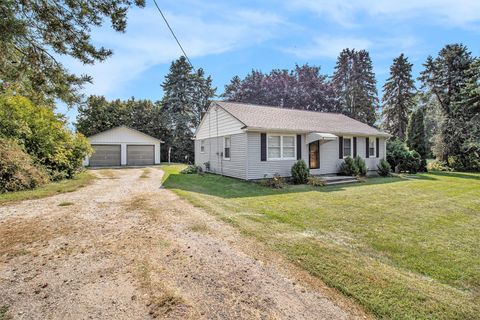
<point x="173" y="34"/>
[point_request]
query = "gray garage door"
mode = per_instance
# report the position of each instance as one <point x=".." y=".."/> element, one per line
<point x="140" y="155"/>
<point x="105" y="155"/>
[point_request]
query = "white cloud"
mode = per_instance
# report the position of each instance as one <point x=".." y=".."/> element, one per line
<point x="148" y="42"/>
<point x="329" y="47"/>
<point x="451" y="12"/>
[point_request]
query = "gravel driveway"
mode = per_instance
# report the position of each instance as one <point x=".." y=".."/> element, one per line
<point x="124" y="248"/>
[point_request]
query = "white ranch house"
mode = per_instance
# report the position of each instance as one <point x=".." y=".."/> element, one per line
<point x="253" y="142"/>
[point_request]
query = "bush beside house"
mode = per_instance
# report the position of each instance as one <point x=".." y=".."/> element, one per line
<point x="402" y="159"/>
<point x="300" y="172"/>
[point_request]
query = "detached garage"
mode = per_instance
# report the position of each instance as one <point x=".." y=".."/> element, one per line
<point x="123" y="146"/>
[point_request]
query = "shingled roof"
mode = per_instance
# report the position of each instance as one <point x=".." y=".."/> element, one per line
<point x="256" y="117"/>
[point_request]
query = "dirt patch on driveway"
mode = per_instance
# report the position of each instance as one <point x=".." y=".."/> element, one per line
<point x="125" y="248"/>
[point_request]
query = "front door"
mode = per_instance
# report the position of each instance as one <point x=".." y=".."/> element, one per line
<point x="314" y="155"/>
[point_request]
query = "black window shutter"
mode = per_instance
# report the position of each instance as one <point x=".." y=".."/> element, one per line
<point x="378" y="147"/>
<point x="263" y="147"/>
<point x="354" y="147"/>
<point x="299" y="147"/>
<point x="340" y="147"/>
<point x="367" y="150"/>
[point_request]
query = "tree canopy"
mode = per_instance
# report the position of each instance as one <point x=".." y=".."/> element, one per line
<point x="398" y="97"/>
<point x="35" y="33"/>
<point x="304" y="87"/>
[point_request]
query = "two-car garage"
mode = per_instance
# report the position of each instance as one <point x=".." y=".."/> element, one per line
<point x="123" y="146"/>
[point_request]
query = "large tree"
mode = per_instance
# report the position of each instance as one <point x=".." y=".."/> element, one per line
<point x="355" y="85"/>
<point x="398" y="97"/>
<point x="445" y="77"/>
<point x="415" y="133"/>
<point x="35" y="33"/>
<point x="467" y="116"/>
<point x="304" y="88"/>
<point x="187" y="95"/>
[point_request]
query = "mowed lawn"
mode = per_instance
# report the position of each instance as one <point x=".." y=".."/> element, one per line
<point x="404" y="248"/>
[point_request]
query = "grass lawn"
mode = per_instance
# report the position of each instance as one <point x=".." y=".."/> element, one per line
<point x="404" y="248"/>
<point x="50" y="189"/>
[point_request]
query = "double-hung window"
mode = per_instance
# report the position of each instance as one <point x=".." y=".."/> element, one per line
<point x="281" y="147"/>
<point x="371" y="147"/>
<point x="202" y="146"/>
<point x="347" y="147"/>
<point x="226" y="147"/>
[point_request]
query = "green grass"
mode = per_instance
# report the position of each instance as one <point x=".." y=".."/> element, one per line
<point x="3" y="313"/>
<point x="50" y="189"/>
<point x="403" y="247"/>
<point x="66" y="204"/>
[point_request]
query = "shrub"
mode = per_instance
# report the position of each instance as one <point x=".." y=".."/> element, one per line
<point x="43" y="135"/>
<point x="276" y="182"/>
<point x="362" y="167"/>
<point x="300" y="172"/>
<point x="403" y="159"/>
<point x="348" y="167"/>
<point x="191" y="169"/>
<point x="17" y="168"/>
<point x="383" y="168"/>
<point x="437" y="165"/>
<point x="315" y="181"/>
<point x="207" y="166"/>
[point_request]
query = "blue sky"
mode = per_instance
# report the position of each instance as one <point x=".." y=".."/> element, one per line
<point x="228" y="38"/>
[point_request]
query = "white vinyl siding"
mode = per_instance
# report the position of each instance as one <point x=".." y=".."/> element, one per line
<point x="214" y="148"/>
<point x="217" y="122"/>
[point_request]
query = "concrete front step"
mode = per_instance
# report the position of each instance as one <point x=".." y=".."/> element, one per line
<point x="330" y="180"/>
<point x="331" y="183"/>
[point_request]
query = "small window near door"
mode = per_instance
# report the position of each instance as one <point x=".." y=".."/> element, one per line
<point x="202" y="146"/>
<point x="347" y="147"/>
<point x="371" y="147"/>
<point x="226" y="148"/>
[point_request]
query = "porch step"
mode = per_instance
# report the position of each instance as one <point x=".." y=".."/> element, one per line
<point x="331" y="183"/>
<point x="332" y="180"/>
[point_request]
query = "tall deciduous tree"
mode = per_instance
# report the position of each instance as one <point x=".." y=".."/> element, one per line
<point x="303" y="88"/>
<point x="445" y="77"/>
<point x="34" y="32"/>
<point x="355" y="85"/>
<point x="416" y="139"/>
<point x="398" y="97"/>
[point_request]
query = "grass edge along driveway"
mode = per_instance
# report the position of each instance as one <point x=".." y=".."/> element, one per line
<point x="405" y="248"/>
<point x="67" y="185"/>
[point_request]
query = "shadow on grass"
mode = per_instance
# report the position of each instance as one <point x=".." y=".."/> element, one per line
<point x="226" y="187"/>
<point x="461" y="175"/>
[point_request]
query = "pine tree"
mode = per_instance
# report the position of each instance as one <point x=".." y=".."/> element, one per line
<point x="355" y="85"/>
<point x="416" y="139"/>
<point x="444" y="77"/>
<point x="34" y="33"/>
<point x="232" y="90"/>
<point x="187" y="94"/>
<point x="398" y="97"/>
<point x="467" y="114"/>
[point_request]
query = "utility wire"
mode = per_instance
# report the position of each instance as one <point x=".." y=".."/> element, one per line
<point x="173" y="34"/>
